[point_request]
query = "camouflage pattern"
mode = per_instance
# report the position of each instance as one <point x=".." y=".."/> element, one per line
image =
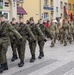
<point x="5" y="29"/>
<point x="13" y="41"/>
<point x="65" y="32"/>
<point x="39" y="36"/>
<point x="47" y="33"/>
<point x="53" y="30"/>
<point x="25" y="31"/>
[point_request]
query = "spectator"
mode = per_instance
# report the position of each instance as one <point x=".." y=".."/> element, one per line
<point x="47" y="24"/>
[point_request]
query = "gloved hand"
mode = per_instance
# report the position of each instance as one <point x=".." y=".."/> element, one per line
<point x="45" y="40"/>
<point x="20" y="40"/>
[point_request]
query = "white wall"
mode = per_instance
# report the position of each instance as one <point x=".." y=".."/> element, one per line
<point x="57" y="4"/>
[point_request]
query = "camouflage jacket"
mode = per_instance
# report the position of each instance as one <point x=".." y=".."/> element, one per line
<point x="45" y="30"/>
<point x="53" y="27"/>
<point x="12" y="36"/>
<point x="25" y="31"/>
<point x="37" y="32"/>
<point x="5" y="29"/>
<point x="66" y="27"/>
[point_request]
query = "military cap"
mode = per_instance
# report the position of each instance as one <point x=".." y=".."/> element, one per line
<point x="31" y="19"/>
<point x="47" y="20"/>
<point x="13" y="19"/>
<point x="20" y="17"/>
<point x="40" y="19"/>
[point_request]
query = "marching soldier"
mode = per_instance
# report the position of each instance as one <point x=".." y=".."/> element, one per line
<point x="5" y="29"/>
<point x="52" y="29"/>
<point x="38" y="33"/>
<point x="13" y="41"/>
<point x="65" y="31"/>
<point x="25" y="31"/>
<point x="41" y="42"/>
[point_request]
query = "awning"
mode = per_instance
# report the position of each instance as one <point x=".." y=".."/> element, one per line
<point x="21" y="11"/>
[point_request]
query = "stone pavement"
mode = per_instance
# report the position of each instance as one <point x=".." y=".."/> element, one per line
<point x="57" y="61"/>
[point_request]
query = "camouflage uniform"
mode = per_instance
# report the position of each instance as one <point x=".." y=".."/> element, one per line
<point x="5" y="29"/>
<point x="13" y="41"/>
<point x="65" y="32"/>
<point x="71" y="30"/>
<point x="47" y="33"/>
<point x="39" y="36"/>
<point x="58" y="31"/>
<point x="52" y="29"/>
<point x="25" y="31"/>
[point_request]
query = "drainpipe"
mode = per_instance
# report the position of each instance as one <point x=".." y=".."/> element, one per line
<point x="40" y="8"/>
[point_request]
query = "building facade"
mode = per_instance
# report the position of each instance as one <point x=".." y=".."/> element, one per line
<point x="37" y="9"/>
<point x="70" y="7"/>
<point x="8" y="7"/>
<point x="59" y="8"/>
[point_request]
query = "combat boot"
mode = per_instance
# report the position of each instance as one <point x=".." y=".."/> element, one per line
<point x="65" y="43"/>
<point x="32" y="59"/>
<point x="21" y="64"/>
<point x="52" y="44"/>
<point x="14" y="58"/>
<point x="1" y="70"/>
<point x="41" y="55"/>
<point x="5" y="66"/>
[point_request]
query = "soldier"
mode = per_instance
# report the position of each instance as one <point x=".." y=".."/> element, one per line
<point x="65" y="31"/>
<point x="73" y="30"/>
<point x="1" y="70"/>
<point x="13" y="41"/>
<point x="52" y="29"/>
<point x="25" y="31"/>
<point x="41" y="42"/>
<point x="5" y="29"/>
<point x="38" y="33"/>
<point x="71" y="33"/>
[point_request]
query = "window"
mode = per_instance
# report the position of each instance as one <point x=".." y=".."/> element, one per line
<point x="7" y="4"/>
<point x="65" y="5"/>
<point x="21" y="0"/>
<point x="56" y="9"/>
<point x="45" y="2"/>
<point x="6" y="14"/>
<point x="1" y="4"/>
<point x="69" y="6"/>
<point x="61" y="5"/>
<point x="46" y="15"/>
<point x="51" y="3"/>
<point x="73" y="7"/>
<point x="61" y="15"/>
<point x="51" y="12"/>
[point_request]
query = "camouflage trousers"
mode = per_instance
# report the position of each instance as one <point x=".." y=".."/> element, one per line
<point x="64" y="38"/>
<point x="73" y="36"/>
<point x="14" y="46"/>
<point x="53" y="39"/>
<point x="32" y="46"/>
<point x="3" y="51"/>
<point x="41" y="45"/>
<point x="21" y="49"/>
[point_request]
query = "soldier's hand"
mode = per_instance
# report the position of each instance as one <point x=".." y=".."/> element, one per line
<point x="20" y="40"/>
<point x="45" y="40"/>
<point x="34" y="41"/>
